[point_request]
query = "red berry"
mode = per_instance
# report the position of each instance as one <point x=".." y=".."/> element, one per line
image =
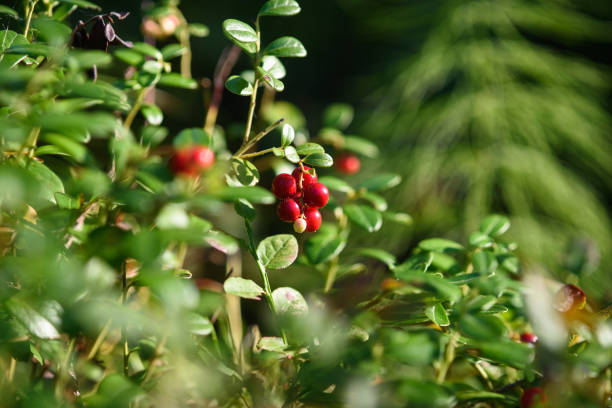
<point x="288" y="210"/>
<point x="348" y="163"/>
<point x="570" y="298"/>
<point x="284" y="186"/>
<point x="202" y="157"/>
<point x="307" y="178"/>
<point x="316" y="195"/>
<point x="313" y="219"/>
<point x="180" y="163"/>
<point x="532" y="396"/>
<point x="528" y="337"/>
<point x="299" y="225"/>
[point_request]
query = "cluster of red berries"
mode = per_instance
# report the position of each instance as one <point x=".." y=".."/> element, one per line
<point x="301" y="197"/>
<point x="191" y="161"/>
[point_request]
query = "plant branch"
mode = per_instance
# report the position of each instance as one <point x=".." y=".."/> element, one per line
<point x="249" y="123"/>
<point x="224" y="67"/>
<point x="126" y="350"/>
<point x="449" y="357"/>
<point x="260" y="135"/>
<point x="135" y="108"/>
<point x="30" y="13"/>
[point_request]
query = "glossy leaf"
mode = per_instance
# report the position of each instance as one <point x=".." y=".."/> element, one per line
<point x="360" y="146"/>
<point x="381" y="182"/>
<point x="336" y="184"/>
<point x="171" y="51"/>
<point x="241" y="34"/>
<point x="323" y="246"/>
<point x="437" y="314"/>
<point x="274" y="66"/>
<point x="440" y="245"/>
<point x="177" y="81"/>
<point x="289" y="301"/>
<point x="494" y="225"/>
<point x="274" y="344"/>
<point x="484" y="262"/>
<point x="148" y="50"/>
<point x="245" y="209"/>
<point x="279" y="8"/>
<point x="277" y="251"/>
<point x="364" y="217"/>
<point x="221" y="242"/>
<point x="238" y="85"/>
<point x="152" y="114"/>
<point x="244" y="288"/>
<point x="199" y="325"/>
<point x="269" y="79"/>
<point x="245" y="171"/>
<point x="319" y="160"/>
<point x="376" y="200"/>
<point x="286" y="47"/>
<point x="398" y="218"/>
<point x="292" y="155"/>
<point x="191" y="137"/>
<point x="287" y="135"/>
<point x="9" y="11"/>
<point x="380" y="254"/>
<point x="309" y="148"/>
<point x="36" y="323"/>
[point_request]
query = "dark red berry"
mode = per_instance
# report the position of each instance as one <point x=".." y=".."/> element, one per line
<point x="202" y="157"/>
<point x="180" y="163"/>
<point x="313" y="219"/>
<point x="348" y="163"/>
<point x="284" y="186"/>
<point x="307" y="178"/>
<point x="532" y="396"/>
<point x="288" y="210"/>
<point x="316" y="195"/>
<point x="570" y="298"/>
<point x="528" y="337"/>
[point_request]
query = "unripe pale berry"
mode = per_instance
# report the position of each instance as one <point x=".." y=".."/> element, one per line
<point x="316" y="195"/>
<point x="313" y="219"/>
<point x="570" y="298"/>
<point x="288" y="210"/>
<point x="348" y="163"/>
<point x="299" y="225"/>
<point x="528" y="337"/>
<point x="531" y="396"/>
<point x="307" y="178"/>
<point x="284" y="186"/>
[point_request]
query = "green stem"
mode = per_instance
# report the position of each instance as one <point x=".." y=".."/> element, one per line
<point x="246" y="146"/>
<point x="30" y="13"/>
<point x="449" y="357"/>
<point x="135" y="108"/>
<point x="259" y="153"/>
<point x="331" y="274"/>
<point x="126" y="349"/>
<point x="262" y="269"/>
<point x="249" y="123"/>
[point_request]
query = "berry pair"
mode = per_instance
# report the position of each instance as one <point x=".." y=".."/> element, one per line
<point x="301" y="196"/>
<point x="191" y="161"/>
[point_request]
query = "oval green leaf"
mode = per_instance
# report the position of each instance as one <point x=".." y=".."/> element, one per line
<point x="279" y="8"/>
<point x="364" y="217"/>
<point x="244" y="288"/>
<point x="286" y="47"/>
<point x="277" y="251"/>
<point x="319" y="160"/>
<point x="238" y="85"/>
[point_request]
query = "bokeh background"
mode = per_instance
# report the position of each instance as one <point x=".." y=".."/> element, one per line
<point x="482" y="106"/>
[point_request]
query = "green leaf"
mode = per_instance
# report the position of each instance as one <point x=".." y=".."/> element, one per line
<point x="82" y="3"/>
<point x="336" y="184"/>
<point x="416" y="263"/>
<point x="480" y="240"/>
<point x="199" y="325"/>
<point x="382" y="182"/>
<point x="171" y="51"/>
<point x="239" y="86"/>
<point x="482" y="327"/>
<point x="177" y="81"/>
<point x="147" y="49"/>
<point x="398" y="218"/>
<point x="152" y="114"/>
<point x="289" y="301"/>
<point x="274" y="66"/>
<point x="484" y="262"/>
<point x="221" y="242"/>
<point x="67" y="202"/>
<point x="286" y="47"/>
<point x="241" y="34"/>
<point x="198" y="30"/>
<point x="153" y="135"/>
<point x="514" y="354"/>
<point x="152" y="67"/>
<point x="274" y="344"/>
<point x="129" y="56"/>
<point x="377" y="201"/>
<point x="287" y="135"/>
<point x="50" y="183"/>
<point x="254" y="194"/>
<point x="360" y="146"/>
<point x="191" y="137"/>
<point x="245" y="171"/>
<point x="35" y="322"/>
<point x="380" y="254"/>
<point x="319" y="160"/>
<point x="269" y="79"/>
<point x="494" y="225"/>
<point x="440" y="245"/>
<point x="467" y="395"/>
<point x="323" y="245"/>
<point x="33" y="50"/>
<point x="245" y="209"/>
<point x="338" y="116"/>
<point x="9" y="11"/>
<point x="364" y="217"/>
<point x="9" y="38"/>
<point x="277" y="251"/>
<point x="244" y="288"/>
<point x="291" y="154"/>
<point x="425" y="394"/>
<point x="309" y="148"/>
<point x="437" y="314"/>
<point x="67" y="145"/>
<point x="279" y="8"/>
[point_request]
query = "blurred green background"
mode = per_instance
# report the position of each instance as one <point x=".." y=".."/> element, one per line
<point x="481" y="105"/>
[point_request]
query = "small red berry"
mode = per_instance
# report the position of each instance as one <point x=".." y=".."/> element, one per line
<point x="348" y="163"/>
<point x="313" y="219"/>
<point x="180" y="163"/>
<point x="284" y="186"/>
<point x="316" y="195"/>
<point x="307" y="178"/>
<point x="532" y="396"/>
<point x="202" y="157"/>
<point x="570" y="298"/>
<point x="528" y="337"/>
<point x="299" y="225"/>
<point x="288" y="210"/>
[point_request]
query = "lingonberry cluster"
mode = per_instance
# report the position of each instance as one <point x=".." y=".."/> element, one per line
<point x="301" y="197"/>
<point x="191" y="161"/>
